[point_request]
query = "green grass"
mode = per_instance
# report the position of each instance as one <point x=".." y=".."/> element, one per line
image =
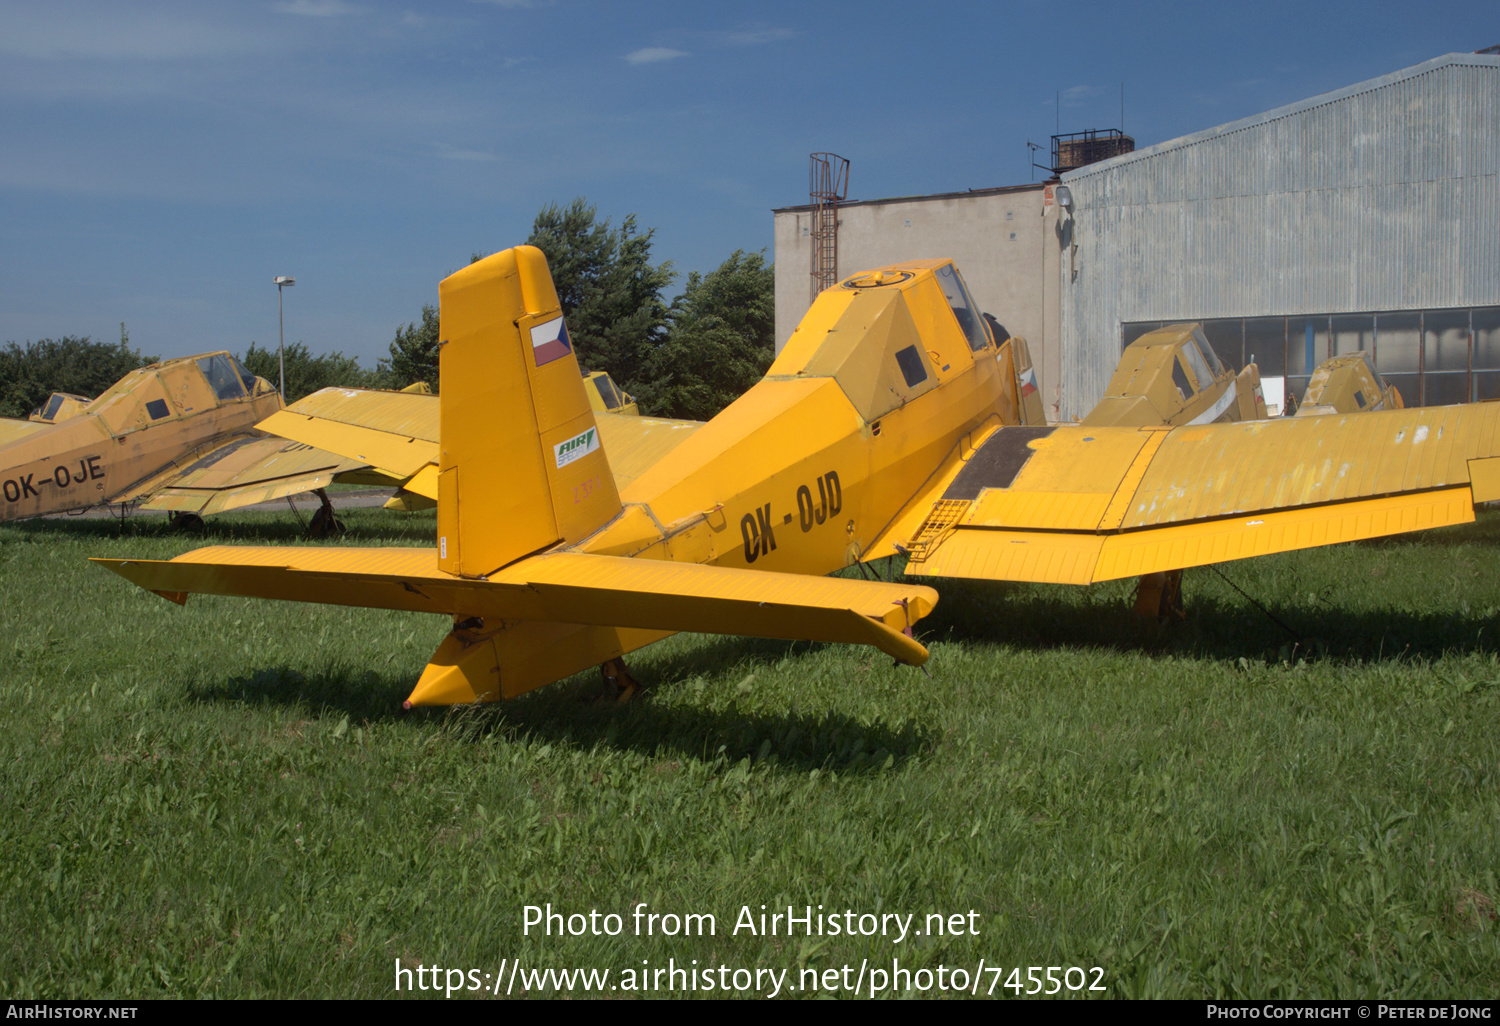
<point x="225" y="799"/>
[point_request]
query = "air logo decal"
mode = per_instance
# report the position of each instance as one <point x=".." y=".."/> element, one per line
<point x="829" y="502"/>
<point x="576" y="447"/>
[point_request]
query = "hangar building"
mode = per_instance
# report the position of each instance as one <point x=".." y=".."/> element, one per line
<point x="1363" y="219"/>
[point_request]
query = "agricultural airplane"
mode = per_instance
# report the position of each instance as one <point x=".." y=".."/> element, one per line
<point x="890" y="423"/>
<point x="182" y="435"/>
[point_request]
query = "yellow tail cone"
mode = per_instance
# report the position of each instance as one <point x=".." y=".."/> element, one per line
<point x="462" y="670"/>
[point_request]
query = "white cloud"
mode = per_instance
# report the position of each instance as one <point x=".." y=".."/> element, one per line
<point x="318" y="8"/>
<point x="1074" y="96"/>
<point x="754" y="37"/>
<point x="653" y="54"/>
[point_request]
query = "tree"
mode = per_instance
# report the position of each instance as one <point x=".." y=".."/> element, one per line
<point x="74" y="364"/>
<point x="306" y="373"/>
<point x="720" y="340"/>
<point x="414" y="353"/>
<point x="610" y="293"/>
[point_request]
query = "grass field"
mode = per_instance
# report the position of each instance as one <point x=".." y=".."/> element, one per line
<point x="226" y="800"/>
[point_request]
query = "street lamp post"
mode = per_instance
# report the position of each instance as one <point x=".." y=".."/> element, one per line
<point x="282" y="281"/>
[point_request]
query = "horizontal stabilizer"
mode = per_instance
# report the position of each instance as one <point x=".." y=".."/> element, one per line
<point x="565" y="588"/>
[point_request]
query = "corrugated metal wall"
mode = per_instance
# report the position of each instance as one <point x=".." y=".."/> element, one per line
<point x="1381" y="196"/>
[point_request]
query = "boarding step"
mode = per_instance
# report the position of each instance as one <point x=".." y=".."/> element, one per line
<point x="939" y="523"/>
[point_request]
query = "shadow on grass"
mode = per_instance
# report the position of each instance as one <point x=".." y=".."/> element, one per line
<point x="570" y="713"/>
<point x="1217" y="628"/>
<point x="365" y="527"/>
<point x="784" y="739"/>
<point x="363" y="695"/>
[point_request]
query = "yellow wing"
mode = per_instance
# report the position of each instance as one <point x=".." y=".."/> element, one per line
<point x="241" y="473"/>
<point x="1074" y="505"/>
<point x="572" y="588"/>
<point x="396" y="433"/>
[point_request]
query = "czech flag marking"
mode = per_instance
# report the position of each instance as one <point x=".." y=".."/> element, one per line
<point x="549" y="341"/>
<point x="1028" y="381"/>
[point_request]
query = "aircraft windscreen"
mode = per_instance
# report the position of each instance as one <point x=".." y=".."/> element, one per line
<point x="1206" y="353"/>
<point x="963" y="306"/>
<point x="244" y="373"/>
<point x="607" y="393"/>
<point x="1194" y="357"/>
<point x="222" y="377"/>
<point x="53" y="405"/>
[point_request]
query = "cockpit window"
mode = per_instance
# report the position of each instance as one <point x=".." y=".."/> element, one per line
<point x="607" y="393"/>
<point x="222" y="376"/>
<point x="53" y="405"/>
<point x="1180" y="379"/>
<point x="963" y="306"/>
<point x="244" y="373"/>
<point x="1194" y="357"/>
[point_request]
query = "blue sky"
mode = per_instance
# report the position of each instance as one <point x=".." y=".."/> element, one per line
<point x="161" y="162"/>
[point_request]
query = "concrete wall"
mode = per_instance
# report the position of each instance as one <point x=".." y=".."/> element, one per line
<point x="1004" y="242"/>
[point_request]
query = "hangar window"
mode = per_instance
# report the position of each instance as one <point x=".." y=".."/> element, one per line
<point x="222" y="377"/>
<point x="953" y="287"/>
<point x="1434" y="357"/>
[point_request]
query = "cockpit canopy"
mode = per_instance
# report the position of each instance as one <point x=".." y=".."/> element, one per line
<point x="176" y="388"/>
<point x="59" y="407"/>
<point x="888" y="335"/>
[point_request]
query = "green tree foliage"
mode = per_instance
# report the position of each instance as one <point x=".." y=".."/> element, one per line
<point x="78" y="365"/>
<point x="720" y="339"/>
<point x="306" y="373"/>
<point x="690" y="360"/>
<point x="414" y="353"/>
<point x="610" y="292"/>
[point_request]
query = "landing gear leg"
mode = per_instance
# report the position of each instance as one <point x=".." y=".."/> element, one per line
<point x="619" y="686"/>
<point x="1158" y="596"/>
<point x="325" y="524"/>
<point x="179" y="521"/>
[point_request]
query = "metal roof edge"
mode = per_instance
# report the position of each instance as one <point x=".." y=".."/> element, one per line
<point x="1447" y="60"/>
<point x="995" y="190"/>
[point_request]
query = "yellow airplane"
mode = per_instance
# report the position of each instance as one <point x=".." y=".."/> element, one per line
<point x="1348" y="384"/>
<point x="890" y="423"/>
<point x="182" y="436"/>
<point x="1172" y="376"/>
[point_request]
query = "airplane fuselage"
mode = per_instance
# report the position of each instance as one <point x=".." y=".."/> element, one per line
<point x="154" y="420"/>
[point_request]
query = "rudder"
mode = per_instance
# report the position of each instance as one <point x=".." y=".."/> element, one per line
<point x="521" y="466"/>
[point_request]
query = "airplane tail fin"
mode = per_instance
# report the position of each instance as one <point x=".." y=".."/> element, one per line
<point x="521" y="465"/>
<point x="1250" y="396"/>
